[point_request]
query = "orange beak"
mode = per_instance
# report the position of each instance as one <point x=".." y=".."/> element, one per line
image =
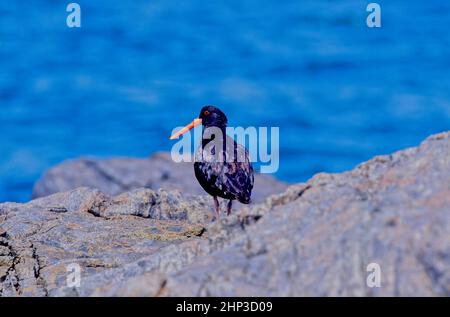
<point x="190" y="126"/>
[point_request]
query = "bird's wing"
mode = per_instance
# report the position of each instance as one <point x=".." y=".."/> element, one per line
<point x="238" y="175"/>
<point x="229" y="170"/>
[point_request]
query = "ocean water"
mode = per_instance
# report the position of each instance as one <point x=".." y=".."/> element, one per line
<point x="339" y="91"/>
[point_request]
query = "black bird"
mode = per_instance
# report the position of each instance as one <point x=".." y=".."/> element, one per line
<point x="222" y="167"/>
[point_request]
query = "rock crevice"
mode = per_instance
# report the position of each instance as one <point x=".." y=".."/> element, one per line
<point x="312" y="239"/>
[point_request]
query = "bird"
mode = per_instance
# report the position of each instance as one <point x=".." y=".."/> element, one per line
<point x="221" y="165"/>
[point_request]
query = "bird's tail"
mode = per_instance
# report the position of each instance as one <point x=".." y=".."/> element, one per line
<point x="244" y="199"/>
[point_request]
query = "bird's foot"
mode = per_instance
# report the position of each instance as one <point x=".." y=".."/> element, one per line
<point x="229" y="205"/>
<point x="216" y="203"/>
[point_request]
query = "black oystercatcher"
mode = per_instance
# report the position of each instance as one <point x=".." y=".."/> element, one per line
<point x="222" y="167"/>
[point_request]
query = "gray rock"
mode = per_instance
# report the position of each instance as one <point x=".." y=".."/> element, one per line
<point x="38" y="240"/>
<point x="118" y="175"/>
<point x="314" y="239"/>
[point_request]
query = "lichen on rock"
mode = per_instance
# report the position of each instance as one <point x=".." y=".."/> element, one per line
<point x="311" y="239"/>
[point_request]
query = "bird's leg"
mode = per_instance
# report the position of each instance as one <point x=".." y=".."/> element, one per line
<point x="216" y="203"/>
<point x="230" y="203"/>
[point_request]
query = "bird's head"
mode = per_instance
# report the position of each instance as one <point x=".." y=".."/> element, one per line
<point x="210" y="116"/>
<point x="213" y="117"/>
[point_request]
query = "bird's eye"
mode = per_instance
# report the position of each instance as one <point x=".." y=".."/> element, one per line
<point x="206" y="113"/>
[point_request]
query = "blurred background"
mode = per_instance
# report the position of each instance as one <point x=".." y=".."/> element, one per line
<point x="339" y="91"/>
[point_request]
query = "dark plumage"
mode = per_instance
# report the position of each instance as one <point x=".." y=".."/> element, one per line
<point x="222" y="167"/>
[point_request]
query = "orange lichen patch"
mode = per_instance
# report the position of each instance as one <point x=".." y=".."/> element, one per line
<point x="439" y="199"/>
<point x="392" y="177"/>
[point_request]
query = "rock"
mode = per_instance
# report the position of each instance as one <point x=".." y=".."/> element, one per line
<point x="314" y="239"/>
<point x="84" y="226"/>
<point x="118" y="175"/>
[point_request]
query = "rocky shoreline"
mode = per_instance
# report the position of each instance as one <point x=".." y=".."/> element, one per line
<point x="118" y="175"/>
<point x="142" y="228"/>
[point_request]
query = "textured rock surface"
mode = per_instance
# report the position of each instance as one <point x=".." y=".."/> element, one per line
<point x="119" y="175"/>
<point x="84" y="226"/>
<point x="313" y="239"/>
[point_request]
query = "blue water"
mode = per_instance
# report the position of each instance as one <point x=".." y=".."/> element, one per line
<point x="339" y="91"/>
